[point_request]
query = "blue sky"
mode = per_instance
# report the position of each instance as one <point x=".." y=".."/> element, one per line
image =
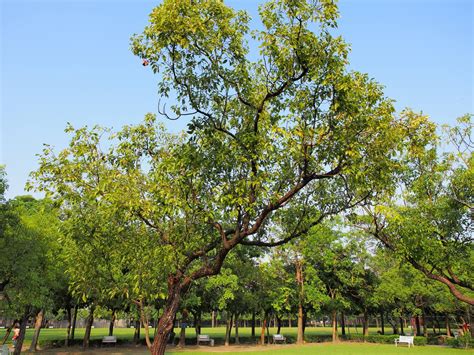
<point x="69" y="61"/>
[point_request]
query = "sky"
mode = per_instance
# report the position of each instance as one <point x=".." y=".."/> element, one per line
<point x="69" y="61"/>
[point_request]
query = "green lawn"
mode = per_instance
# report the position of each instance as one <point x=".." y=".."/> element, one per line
<point x="338" y="349"/>
<point x="126" y="334"/>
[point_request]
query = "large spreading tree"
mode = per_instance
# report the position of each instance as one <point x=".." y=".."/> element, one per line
<point x="287" y="128"/>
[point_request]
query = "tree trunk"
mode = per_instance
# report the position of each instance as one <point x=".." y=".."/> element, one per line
<point x="165" y="325"/>
<point x="8" y="331"/>
<point x="343" y="323"/>
<point x="69" y="324"/>
<point x="335" y="337"/>
<point x="417" y="326"/>
<point x="89" y="321"/>
<point x="365" y="331"/>
<point x="253" y="324"/>
<point x="213" y="319"/>
<point x="19" y="342"/>
<point x="278" y="324"/>
<point x="382" y="324"/>
<point x="289" y="320"/>
<point x="402" y="332"/>
<point x="38" y="323"/>
<point x="136" y="333"/>
<point x="262" y="333"/>
<point x="74" y="320"/>
<point x="300" y="333"/>
<point x="112" y="322"/>
<point x="144" y="322"/>
<point x="228" y="329"/>
<point x="448" y="329"/>
<point x="237" y="340"/>
<point x="299" y="281"/>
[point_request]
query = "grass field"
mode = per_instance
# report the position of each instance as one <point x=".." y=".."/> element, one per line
<point x="125" y="335"/>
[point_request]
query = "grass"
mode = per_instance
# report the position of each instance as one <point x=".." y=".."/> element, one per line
<point x="125" y="335"/>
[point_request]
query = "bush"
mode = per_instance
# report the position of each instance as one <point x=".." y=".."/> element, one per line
<point x="382" y="339"/>
<point x="463" y="341"/>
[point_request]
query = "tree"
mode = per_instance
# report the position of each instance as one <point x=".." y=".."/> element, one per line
<point x="294" y="123"/>
<point x="431" y="227"/>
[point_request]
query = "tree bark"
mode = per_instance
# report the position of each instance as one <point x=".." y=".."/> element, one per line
<point x="89" y="321"/>
<point x="365" y="330"/>
<point x="144" y="322"/>
<point x="278" y="324"/>
<point x="38" y="323"/>
<point x="69" y="324"/>
<point x="382" y="323"/>
<point x="402" y="332"/>
<point x="74" y="320"/>
<point x="262" y="333"/>
<point x="237" y="339"/>
<point x="166" y="322"/>
<point x="228" y="329"/>
<point x="136" y="333"/>
<point x="19" y="342"/>
<point x="213" y="319"/>
<point x="448" y="328"/>
<point x="335" y="336"/>
<point x="253" y="324"/>
<point x="8" y="331"/>
<point x="112" y="322"/>
<point x="343" y="323"/>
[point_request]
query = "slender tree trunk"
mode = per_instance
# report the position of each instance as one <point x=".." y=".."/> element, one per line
<point x="112" y="322"/>
<point x="136" y="333"/>
<point x="289" y="321"/>
<point x="213" y="319"/>
<point x="69" y="324"/>
<point x="237" y="340"/>
<point x="448" y="328"/>
<point x="8" y="332"/>
<point x="89" y="321"/>
<point x="74" y="320"/>
<point x="253" y="324"/>
<point x="402" y="332"/>
<point x="278" y="324"/>
<point x="165" y="325"/>
<point x="19" y="342"/>
<point x="268" y="332"/>
<point x="299" y="281"/>
<point x="262" y="333"/>
<point x="38" y="323"/>
<point x="343" y="323"/>
<point x="335" y="337"/>
<point x="417" y="326"/>
<point x="382" y="323"/>
<point x="365" y="330"/>
<point x="144" y="322"/>
<point x="228" y="329"/>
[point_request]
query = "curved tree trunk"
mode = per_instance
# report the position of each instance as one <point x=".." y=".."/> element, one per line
<point x="38" y="323"/>
<point x="382" y="323"/>
<point x="166" y="322"/>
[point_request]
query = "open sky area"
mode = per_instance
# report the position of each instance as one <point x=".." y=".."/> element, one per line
<point x="69" y="61"/>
